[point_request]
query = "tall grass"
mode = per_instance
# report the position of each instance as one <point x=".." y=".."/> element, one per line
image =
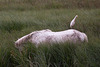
<point x="47" y="4"/>
<point x="14" y="24"/>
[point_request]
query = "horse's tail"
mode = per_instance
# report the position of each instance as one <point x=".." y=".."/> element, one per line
<point x="22" y="40"/>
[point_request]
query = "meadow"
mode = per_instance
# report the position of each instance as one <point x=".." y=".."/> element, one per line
<point x="15" y="24"/>
<point x="17" y="21"/>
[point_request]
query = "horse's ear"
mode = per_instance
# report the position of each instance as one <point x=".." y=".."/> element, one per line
<point x="33" y="33"/>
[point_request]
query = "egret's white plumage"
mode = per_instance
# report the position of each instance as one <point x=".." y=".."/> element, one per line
<point x="73" y="21"/>
<point x="47" y="36"/>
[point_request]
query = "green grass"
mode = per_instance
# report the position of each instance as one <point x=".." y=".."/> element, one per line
<point x="47" y="4"/>
<point x="15" y="24"/>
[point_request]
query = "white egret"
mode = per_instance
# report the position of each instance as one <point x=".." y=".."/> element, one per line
<point x="73" y="21"/>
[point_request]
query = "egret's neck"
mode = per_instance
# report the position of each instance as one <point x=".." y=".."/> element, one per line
<point x="75" y="17"/>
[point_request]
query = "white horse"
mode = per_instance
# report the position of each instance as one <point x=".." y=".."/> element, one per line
<point x="47" y="36"/>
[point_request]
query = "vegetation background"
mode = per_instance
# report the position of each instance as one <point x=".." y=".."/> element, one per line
<point x="20" y="17"/>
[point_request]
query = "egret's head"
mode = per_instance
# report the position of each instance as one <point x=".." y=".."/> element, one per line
<point x="76" y="15"/>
